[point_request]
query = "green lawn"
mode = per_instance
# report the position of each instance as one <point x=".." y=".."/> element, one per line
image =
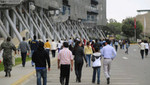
<point x="17" y="62"/>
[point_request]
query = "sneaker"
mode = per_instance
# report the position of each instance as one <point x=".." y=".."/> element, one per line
<point x="108" y="80"/>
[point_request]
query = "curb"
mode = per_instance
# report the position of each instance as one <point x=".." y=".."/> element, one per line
<point x="26" y="77"/>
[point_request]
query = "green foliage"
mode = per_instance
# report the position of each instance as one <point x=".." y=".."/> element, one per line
<point x="128" y="28"/>
<point x="17" y="62"/>
<point x="114" y="26"/>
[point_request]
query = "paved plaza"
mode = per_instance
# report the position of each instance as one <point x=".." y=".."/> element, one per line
<point x="127" y="69"/>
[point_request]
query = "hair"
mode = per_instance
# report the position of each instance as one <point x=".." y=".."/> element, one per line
<point x="76" y="45"/>
<point x="108" y="41"/>
<point x="88" y="43"/>
<point x="46" y="40"/>
<point x="96" y="40"/>
<point x="23" y="38"/>
<point x="53" y="40"/>
<point x="65" y="44"/>
<point x="34" y="37"/>
<point x="41" y="44"/>
<point x="96" y="49"/>
<point x="8" y="39"/>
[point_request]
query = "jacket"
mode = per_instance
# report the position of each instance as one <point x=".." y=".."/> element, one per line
<point x="39" y="57"/>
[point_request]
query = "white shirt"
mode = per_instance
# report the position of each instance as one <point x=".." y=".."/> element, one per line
<point x="97" y="62"/>
<point x="59" y="45"/>
<point x="142" y="46"/>
<point x="53" y="46"/>
<point x="146" y="46"/>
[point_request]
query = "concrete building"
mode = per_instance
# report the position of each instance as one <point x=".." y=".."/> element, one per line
<point x="52" y="19"/>
<point x="140" y="18"/>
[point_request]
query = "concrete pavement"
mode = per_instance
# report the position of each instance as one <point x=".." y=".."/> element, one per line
<point x="122" y="72"/>
<point x="127" y="69"/>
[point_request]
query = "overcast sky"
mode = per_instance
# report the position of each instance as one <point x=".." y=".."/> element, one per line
<point x="120" y="9"/>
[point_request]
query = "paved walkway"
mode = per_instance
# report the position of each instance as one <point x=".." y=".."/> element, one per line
<point x="121" y="72"/>
<point x="118" y="76"/>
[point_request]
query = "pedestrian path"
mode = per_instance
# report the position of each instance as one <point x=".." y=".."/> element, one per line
<point x="19" y="74"/>
<point x="118" y="76"/>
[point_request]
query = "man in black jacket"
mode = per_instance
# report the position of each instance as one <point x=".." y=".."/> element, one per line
<point x="40" y="56"/>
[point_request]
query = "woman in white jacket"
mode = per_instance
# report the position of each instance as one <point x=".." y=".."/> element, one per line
<point x="96" y="58"/>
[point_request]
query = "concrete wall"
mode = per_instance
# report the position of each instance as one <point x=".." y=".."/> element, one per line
<point x="147" y="19"/>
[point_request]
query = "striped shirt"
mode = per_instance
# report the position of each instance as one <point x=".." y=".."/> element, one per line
<point x="65" y="56"/>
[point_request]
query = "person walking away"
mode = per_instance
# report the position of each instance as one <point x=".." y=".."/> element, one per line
<point x="96" y="58"/>
<point x="78" y="52"/>
<point x="40" y="57"/>
<point x="47" y="46"/>
<point x="109" y="53"/>
<point x="65" y="58"/>
<point x="142" y="47"/>
<point x="127" y="46"/>
<point x="116" y="45"/>
<point x="59" y="46"/>
<point x="88" y="52"/>
<point x="96" y="44"/>
<point x="34" y="46"/>
<point x="146" y="48"/>
<point x="7" y="47"/>
<point x="53" y="48"/>
<point x="24" y="48"/>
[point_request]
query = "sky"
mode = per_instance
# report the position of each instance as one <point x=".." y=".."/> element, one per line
<point x="121" y="9"/>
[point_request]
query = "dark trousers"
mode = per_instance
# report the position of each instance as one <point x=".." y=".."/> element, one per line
<point x="53" y="53"/>
<point x="47" y="50"/>
<point x="116" y="47"/>
<point x="146" y="52"/>
<point x="64" y="74"/>
<point x="142" y="54"/>
<point x="78" y="71"/>
<point x="23" y="56"/>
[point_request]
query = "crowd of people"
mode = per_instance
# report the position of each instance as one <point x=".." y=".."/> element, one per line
<point x="70" y="53"/>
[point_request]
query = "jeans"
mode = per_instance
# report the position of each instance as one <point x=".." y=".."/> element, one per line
<point x="47" y="50"/>
<point x="96" y="70"/>
<point x="59" y="49"/>
<point x="88" y="58"/>
<point x="32" y="51"/>
<point x="23" y="55"/>
<point x="41" y="73"/>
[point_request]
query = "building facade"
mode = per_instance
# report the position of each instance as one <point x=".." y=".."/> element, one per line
<point x="52" y="19"/>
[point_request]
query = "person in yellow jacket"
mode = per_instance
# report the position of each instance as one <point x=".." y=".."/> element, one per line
<point x="47" y="46"/>
<point x="88" y="52"/>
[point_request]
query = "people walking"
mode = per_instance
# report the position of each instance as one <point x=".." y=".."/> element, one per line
<point x="47" y="46"/>
<point x="40" y="57"/>
<point x="109" y="53"/>
<point x="59" y="46"/>
<point x="53" y="48"/>
<point x="96" y="58"/>
<point x="7" y="47"/>
<point x="24" y="48"/>
<point x="78" y="52"/>
<point x="146" y="48"/>
<point x="34" y="45"/>
<point x="65" y="59"/>
<point x="142" y="48"/>
<point x="116" y="44"/>
<point x="88" y="52"/>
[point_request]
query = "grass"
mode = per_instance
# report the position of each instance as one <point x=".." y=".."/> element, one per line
<point x="17" y="62"/>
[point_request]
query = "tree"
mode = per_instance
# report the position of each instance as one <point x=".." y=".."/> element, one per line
<point x="128" y="28"/>
<point x="114" y="26"/>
